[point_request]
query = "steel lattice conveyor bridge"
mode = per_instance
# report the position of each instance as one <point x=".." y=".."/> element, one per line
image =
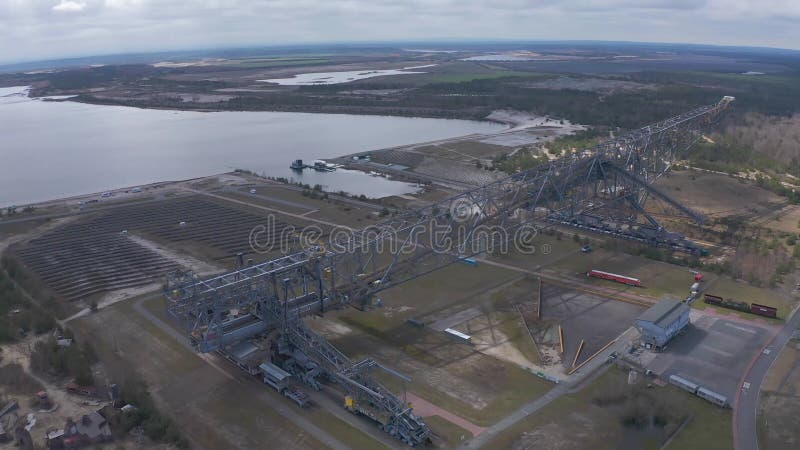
<point x="602" y="188"/>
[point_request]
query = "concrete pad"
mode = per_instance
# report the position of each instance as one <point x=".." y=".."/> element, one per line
<point x="597" y="320"/>
<point x="712" y="352"/>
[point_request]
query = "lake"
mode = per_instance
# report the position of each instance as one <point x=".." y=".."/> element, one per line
<point x="499" y="57"/>
<point x="319" y="78"/>
<point x="52" y="150"/>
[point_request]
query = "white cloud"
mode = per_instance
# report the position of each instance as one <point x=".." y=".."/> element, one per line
<point x="733" y="9"/>
<point x="69" y="6"/>
<point x="41" y="29"/>
<point x="122" y="3"/>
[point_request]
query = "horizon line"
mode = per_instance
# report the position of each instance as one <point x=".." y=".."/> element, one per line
<point x="437" y="41"/>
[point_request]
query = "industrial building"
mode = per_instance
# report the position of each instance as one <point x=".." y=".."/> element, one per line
<point x="662" y="322"/>
<point x="274" y="297"/>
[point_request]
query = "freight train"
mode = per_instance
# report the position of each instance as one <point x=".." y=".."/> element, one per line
<point x="752" y="308"/>
<point x="614" y="277"/>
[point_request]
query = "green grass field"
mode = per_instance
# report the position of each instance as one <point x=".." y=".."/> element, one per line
<point x="520" y="387"/>
<point x="658" y="278"/>
<point x="208" y="406"/>
<point x="257" y="63"/>
<point x="577" y="421"/>
<point x="503" y="385"/>
<point x="450" y="433"/>
<point x="464" y="77"/>
<point x="343" y="431"/>
<point x="728" y="288"/>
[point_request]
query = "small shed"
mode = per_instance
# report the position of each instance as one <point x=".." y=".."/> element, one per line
<point x="662" y="322"/>
<point x="275" y="376"/>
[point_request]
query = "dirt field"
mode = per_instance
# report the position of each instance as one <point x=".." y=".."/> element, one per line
<point x="779" y="410"/>
<point x="480" y="383"/>
<point x="719" y="195"/>
<point x="463" y="160"/>
<point x="448" y="374"/>
<point x="16" y="382"/>
<point x="787" y="219"/>
<point x="213" y="408"/>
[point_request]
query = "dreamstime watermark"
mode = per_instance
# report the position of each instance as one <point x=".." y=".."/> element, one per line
<point x="463" y="229"/>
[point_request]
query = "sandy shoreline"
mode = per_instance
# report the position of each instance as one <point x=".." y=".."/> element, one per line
<point x="515" y="121"/>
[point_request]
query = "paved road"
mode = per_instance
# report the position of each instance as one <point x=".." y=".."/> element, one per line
<point x="579" y="381"/>
<point x="516" y="416"/>
<point x="745" y="410"/>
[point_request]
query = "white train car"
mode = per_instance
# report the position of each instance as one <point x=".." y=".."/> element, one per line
<point x="713" y="397"/>
<point x="684" y="384"/>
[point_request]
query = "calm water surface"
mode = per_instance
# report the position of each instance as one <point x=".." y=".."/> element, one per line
<point x="51" y="150"/>
<point x="318" y="78"/>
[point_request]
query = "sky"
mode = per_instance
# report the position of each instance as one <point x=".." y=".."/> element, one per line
<point x="48" y="29"/>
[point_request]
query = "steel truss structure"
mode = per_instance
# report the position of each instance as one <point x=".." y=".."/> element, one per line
<point x="603" y="188"/>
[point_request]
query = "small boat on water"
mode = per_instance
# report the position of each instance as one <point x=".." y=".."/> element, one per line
<point x="318" y="165"/>
<point x="322" y="166"/>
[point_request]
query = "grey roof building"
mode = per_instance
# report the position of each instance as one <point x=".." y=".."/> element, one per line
<point x="662" y="322"/>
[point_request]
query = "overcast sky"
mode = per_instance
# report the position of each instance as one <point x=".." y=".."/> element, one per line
<point x="44" y="29"/>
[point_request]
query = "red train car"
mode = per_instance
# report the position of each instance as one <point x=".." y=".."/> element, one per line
<point x="614" y="277"/>
<point x="761" y="310"/>
<point x="713" y="299"/>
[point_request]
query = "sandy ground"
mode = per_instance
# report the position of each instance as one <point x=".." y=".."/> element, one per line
<point x="521" y="120"/>
<point x="491" y="341"/>
<point x="456" y="159"/>
<point x="65" y="405"/>
<point x="202" y="62"/>
<point x="201" y="268"/>
<point x="124" y="294"/>
<point x="163" y="188"/>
